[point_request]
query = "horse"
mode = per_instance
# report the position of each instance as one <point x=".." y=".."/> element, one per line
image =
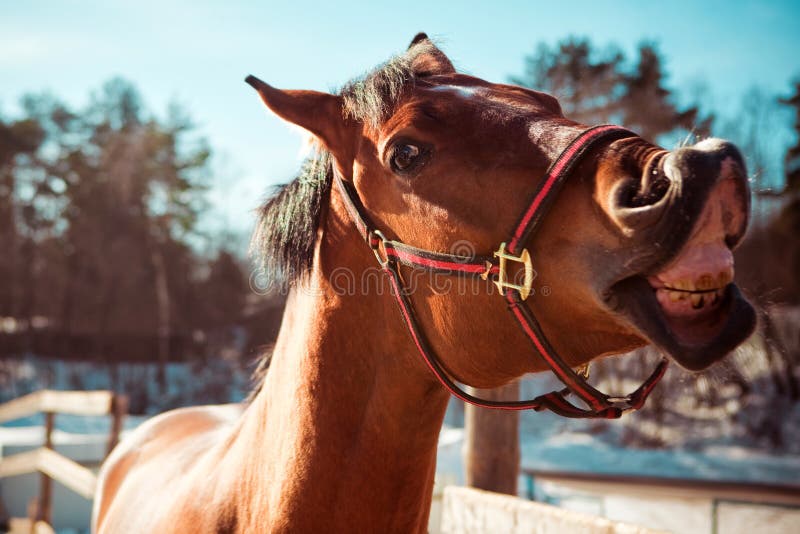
<point x="448" y="231"/>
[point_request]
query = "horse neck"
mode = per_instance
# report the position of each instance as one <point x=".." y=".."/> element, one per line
<point x="348" y="417"/>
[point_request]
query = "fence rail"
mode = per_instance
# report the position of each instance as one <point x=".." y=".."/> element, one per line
<point x="755" y="492"/>
<point x="469" y="510"/>
<point x="70" y="473"/>
<point x="49" y="401"/>
<point x="673" y="504"/>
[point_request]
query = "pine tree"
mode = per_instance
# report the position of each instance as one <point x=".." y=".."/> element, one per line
<point x="646" y="105"/>
<point x="792" y="161"/>
<point x="586" y="82"/>
<point x="19" y="141"/>
<point x="597" y="87"/>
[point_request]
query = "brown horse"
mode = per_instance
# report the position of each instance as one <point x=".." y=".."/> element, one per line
<point x="342" y="434"/>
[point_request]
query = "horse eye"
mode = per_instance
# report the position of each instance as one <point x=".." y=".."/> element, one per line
<point x="404" y="157"/>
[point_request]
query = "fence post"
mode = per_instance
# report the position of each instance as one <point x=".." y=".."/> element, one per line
<point x="33" y="511"/>
<point x="119" y="408"/>
<point x="491" y="447"/>
<point x="44" y="508"/>
<point x="530" y="485"/>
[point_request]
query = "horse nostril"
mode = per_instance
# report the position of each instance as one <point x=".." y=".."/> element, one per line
<point x="639" y="201"/>
<point x="653" y="187"/>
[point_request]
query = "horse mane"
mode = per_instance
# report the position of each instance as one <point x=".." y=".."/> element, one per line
<point x="286" y="231"/>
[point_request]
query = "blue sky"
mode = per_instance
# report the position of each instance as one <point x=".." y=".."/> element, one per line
<point x="199" y="52"/>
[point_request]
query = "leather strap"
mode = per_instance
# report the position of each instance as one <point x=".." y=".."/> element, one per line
<point x="392" y="253"/>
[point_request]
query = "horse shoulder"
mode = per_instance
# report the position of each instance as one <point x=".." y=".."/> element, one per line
<point x="156" y="454"/>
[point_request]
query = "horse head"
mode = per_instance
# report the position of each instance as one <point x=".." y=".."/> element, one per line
<point x="635" y="249"/>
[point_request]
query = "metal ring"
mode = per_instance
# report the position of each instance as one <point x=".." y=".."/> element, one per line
<point x="379" y="248"/>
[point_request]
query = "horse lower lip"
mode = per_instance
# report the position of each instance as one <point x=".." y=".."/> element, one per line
<point x="693" y="342"/>
<point x="696" y="320"/>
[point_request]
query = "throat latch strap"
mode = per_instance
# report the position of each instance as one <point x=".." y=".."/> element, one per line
<point x="391" y="254"/>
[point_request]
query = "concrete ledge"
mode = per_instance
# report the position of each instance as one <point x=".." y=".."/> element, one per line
<point x="472" y="511"/>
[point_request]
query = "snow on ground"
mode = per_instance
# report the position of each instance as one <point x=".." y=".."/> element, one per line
<point x="582" y="452"/>
<point x="547" y="442"/>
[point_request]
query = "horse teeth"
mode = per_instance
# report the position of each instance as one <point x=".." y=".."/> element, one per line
<point x="697" y="300"/>
<point x="705" y="282"/>
<point x="674" y="296"/>
<point x="683" y="285"/>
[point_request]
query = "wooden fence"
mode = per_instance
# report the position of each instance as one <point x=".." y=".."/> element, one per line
<point x="52" y="465"/>
<point x="673" y="504"/>
<point x="473" y="511"/>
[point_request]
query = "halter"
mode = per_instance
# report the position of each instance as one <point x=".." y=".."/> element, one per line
<point x="391" y="254"/>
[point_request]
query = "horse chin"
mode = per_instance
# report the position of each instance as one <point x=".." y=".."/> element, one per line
<point x="696" y="339"/>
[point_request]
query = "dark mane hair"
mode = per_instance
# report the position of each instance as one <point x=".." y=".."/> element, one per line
<point x="286" y="232"/>
<point x="372" y="98"/>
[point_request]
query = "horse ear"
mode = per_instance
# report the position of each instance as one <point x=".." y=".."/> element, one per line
<point x="319" y="113"/>
<point x="427" y="59"/>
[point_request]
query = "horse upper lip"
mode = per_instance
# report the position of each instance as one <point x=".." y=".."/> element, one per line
<point x="707" y="281"/>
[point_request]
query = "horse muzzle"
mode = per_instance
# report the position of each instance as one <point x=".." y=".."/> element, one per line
<point x="686" y="302"/>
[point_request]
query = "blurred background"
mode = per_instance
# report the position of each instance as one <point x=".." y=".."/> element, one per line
<point x="132" y="157"/>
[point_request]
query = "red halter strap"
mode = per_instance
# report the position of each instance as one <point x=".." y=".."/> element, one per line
<point x="391" y="254"/>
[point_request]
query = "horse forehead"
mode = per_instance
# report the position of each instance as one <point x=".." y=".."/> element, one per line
<point x="455" y="104"/>
<point x="503" y="98"/>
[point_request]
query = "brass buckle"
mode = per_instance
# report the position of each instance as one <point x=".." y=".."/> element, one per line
<point x="502" y="277"/>
<point x="583" y="371"/>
